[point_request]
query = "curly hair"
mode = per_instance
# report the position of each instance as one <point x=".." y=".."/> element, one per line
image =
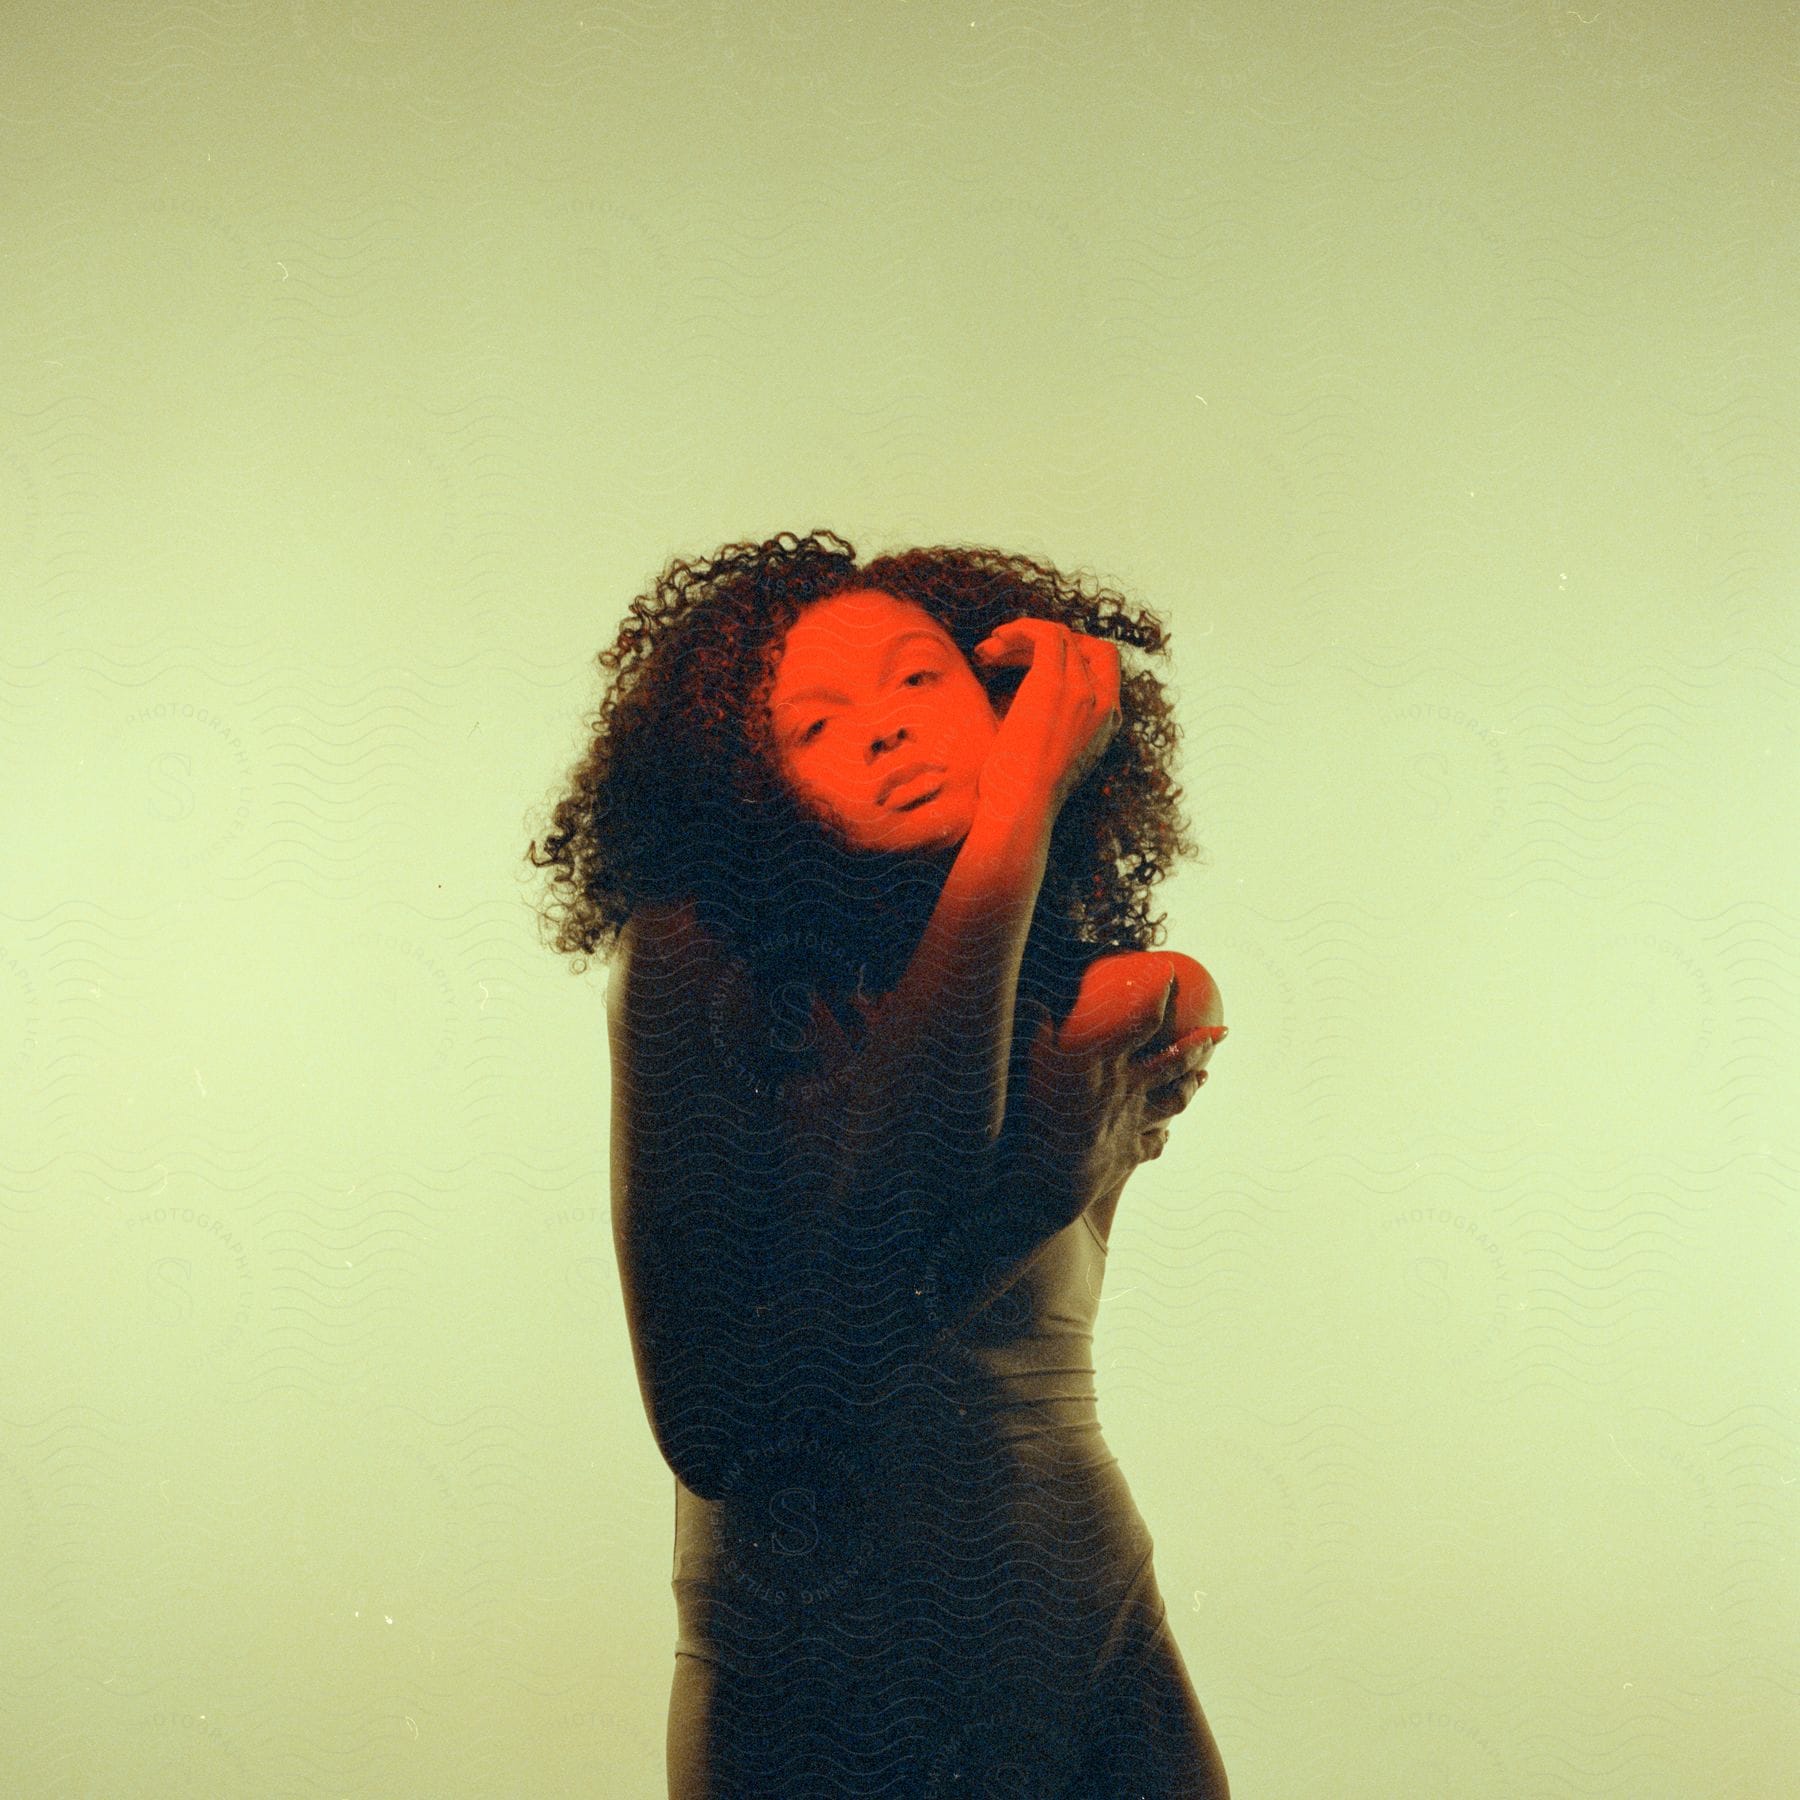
<point x="678" y="795"/>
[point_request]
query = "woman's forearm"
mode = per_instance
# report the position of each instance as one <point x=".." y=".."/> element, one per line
<point x="924" y="1105"/>
<point x="927" y="1097"/>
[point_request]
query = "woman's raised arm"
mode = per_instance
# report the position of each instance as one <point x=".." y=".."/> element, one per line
<point x="929" y="1097"/>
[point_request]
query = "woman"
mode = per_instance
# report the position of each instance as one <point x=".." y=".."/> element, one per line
<point x="872" y="845"/>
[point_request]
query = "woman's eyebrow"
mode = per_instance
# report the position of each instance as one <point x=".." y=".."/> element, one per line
<point x="887" y="663"/>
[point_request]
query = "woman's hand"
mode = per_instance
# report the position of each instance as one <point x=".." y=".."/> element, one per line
<point x="1100" y="1091"/>
<point x="1182" y="1068"/>
<point x="1196" y="1025"/>
<point x="1064" y="714"/>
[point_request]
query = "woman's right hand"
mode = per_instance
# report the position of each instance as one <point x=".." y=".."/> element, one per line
<point x="1064" y="714"/>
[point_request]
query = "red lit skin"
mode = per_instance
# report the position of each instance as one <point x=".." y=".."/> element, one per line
<point x="1101" y="1096"/>
<point x="1120" y="991"/>
<point x="931" y="708"/>
<point x="1095" y="1095"/>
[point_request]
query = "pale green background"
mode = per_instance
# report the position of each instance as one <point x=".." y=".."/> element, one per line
<point x="1428" y="366"/>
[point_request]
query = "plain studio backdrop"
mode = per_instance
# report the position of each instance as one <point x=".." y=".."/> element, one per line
<point x="1429" y="367"/>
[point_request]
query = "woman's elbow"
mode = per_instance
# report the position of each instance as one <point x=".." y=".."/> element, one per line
<point x="701" y="1451"/>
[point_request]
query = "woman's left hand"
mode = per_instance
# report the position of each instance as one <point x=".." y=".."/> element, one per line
<point x="1101" y="1090"/>
<point x="1181" y="1067"/>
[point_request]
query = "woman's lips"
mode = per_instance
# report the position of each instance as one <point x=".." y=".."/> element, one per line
<point x="931" y="779"/>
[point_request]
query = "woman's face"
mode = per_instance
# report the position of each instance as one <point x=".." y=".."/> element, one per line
<point x="869" y="689"/>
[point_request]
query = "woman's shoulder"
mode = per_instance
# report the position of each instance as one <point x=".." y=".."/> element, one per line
<point x="768" y="1034"/>
<point x="1186" y="969"/>
<point x="658" y="931"/>
<point x="1114" y="983"/>
<point x="673" y="942"/>
<point x="688" y="1080"/>
<point x="661" y="966"/>
<point x="669" y="978"/>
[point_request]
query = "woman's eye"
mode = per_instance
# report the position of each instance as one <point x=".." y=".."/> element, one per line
<point x="818" y="725"/>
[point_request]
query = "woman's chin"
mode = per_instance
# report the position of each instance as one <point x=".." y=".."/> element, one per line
<point x="927" y="830"/>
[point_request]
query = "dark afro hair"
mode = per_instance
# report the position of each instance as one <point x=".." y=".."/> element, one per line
<point x="677" y="793"/>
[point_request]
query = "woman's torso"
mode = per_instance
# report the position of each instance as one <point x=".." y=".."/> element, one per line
<point x="977" y="1515"/>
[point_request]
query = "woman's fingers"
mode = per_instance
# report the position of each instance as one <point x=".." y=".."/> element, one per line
<point x="1193" y="1046"/>
<point x="1100" y="657"/>
<point x="1025" y="640"/>
<point x="1063" y="715"/>
<point x="1177" y="1074"/>
<point x="1166" y="1100"/>
<point x="1018" y="640"/>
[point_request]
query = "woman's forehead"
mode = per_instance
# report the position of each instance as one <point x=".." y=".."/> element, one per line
<point x="850" y="628"/>
<point x="864" y="619"/>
